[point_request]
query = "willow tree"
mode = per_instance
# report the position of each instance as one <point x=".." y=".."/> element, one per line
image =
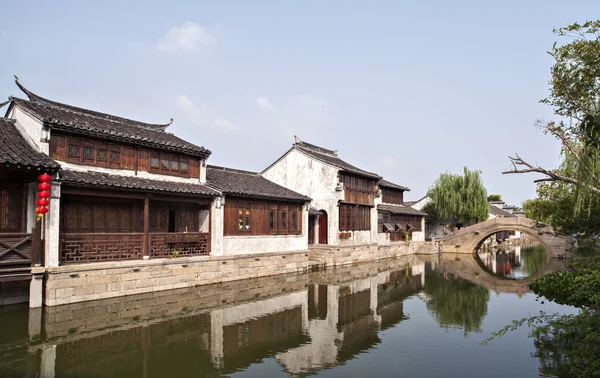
<point x="460" y="198"/>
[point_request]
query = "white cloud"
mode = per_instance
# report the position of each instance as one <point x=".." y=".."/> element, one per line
<point x="197" y="115"/>
<point x="264" y="103"/>
<point x="189" y="37"/>
<point x="224" y="123"/>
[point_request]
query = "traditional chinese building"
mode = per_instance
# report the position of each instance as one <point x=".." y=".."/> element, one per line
<point x="395" y="220"/>
<point x="258" y="215"/>
<point x="126" y="189"/>
<point x="128" y="197"/>
<point x="344" y="197"/>
<point x="20" y="166"/>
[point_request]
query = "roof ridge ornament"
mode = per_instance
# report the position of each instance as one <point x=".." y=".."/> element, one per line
<point x="5" y="102"/>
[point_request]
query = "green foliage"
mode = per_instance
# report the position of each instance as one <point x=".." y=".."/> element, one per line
<point x="575" y="97"/>
<point x="432" y="217"/>
<point x="555" y="205"/>
<point x="460" y="198"/>
<point x="456" y="303"/>
<point x="579" y="286"/>
<point x="494" y="198"/>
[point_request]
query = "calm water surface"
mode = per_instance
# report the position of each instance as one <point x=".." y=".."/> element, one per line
<point x="417" y="317"/>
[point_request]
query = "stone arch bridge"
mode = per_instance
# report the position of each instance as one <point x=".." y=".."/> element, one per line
<point x="468" y="239"/>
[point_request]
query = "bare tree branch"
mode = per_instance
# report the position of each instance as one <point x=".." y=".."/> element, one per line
<point x="552" y="176"/>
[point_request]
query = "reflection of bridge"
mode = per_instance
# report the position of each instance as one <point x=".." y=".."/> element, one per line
<point x="468" y="239"/>
<point x="466" y="267"/>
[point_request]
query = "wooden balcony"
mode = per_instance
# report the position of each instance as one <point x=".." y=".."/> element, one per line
<point x="96" y="247"/>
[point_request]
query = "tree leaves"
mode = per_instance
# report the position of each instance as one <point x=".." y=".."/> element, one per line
<point x="460" y="198"/>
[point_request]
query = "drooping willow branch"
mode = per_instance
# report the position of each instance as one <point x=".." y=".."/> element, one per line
<point x="521" y="166"/>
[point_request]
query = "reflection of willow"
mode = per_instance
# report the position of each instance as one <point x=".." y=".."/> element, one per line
<point x="456" y="303"/>
<point x="534" y="258"/>
<point x="568" y="346"/>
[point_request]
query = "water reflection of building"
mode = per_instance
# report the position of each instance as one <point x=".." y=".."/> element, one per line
<point x="501" y="261"/>
<point x="305" y="322"/>
<point x="345" y="317"/>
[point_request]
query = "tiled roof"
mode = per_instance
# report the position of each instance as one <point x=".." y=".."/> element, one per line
<point x="249" y="184"/>
<point x="314" y="211"/>
<point x="330" y="157"/>
<point x="14" y="149"/>
<point x="105" y="180"/>
<point x="496" y="211"/>
<point x="387" y="184"/>
<point x="72" y="119"/>
<point x="399" y="209"/>
<point x="410" y="203"/>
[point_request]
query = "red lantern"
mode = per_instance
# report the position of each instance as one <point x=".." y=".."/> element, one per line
<point x="44" y="194"/>
<point x="44" y="186"/>
<point x="45" y="178"/>
<point x="43" y="202"/>
<point x="41" y="210"/>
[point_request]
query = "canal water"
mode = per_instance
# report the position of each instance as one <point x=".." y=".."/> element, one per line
<point x="410" y="317"/>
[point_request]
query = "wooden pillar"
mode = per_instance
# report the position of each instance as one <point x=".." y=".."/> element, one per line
<point x="146" y="242"/>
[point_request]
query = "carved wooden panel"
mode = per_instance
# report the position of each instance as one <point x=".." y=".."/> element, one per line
<point x="185" y="244"/>
<point x="100" y="247"/>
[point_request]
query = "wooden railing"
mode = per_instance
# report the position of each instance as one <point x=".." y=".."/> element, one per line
<point x="15" y="249"/>
<point x="170" y="244"/>
<point x="93" y="247"/>
<point x="90" y="247"/>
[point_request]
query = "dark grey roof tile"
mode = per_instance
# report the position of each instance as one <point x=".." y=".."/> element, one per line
<point x="97" y="179"/>
<point x="14" y="149"/>
<point x="249" y="184"/>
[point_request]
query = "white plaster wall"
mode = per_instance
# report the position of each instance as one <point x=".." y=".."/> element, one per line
<point x="216" y="227"/>
<point x="314" y="179"/>
<point x="52" y="223"/>
<point x="421" y="204"/>
<point x="236" y="245"/>
<point x="31" y="128"/>
<point x="359" y="237"/>
<point x="418" y="236"/>
<point x="381" y="239"/>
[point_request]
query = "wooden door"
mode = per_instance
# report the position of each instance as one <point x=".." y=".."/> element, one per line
<point x="311" y="229"/>
<point x="323" y="227"/>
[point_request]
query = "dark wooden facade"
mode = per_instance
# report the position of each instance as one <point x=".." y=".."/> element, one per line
<point x="108" y="225"/>
<point x="357" y="189"/>
<point x="244" y="216"/>
<point x="359" y="196"/>
<point x="20" y="248"/>
<point x="393" y="196"/>
<point x="400" y="224"/>
<point x="100" y="153"/>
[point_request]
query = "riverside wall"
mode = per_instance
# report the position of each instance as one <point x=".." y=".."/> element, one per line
<point x="76" y="283"/>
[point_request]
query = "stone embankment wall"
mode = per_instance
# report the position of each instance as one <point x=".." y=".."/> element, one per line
<point x="78" y="283"/>
<point x="111" y="314"/>
<point x="330" y="256"/>
<point x="85" y="282"/>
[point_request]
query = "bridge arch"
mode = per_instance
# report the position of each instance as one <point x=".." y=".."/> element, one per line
<point x="479" y="241"/>
<point x="468" y="239"/>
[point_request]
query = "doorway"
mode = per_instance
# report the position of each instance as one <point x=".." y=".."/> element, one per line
<point x="323" y="227"/>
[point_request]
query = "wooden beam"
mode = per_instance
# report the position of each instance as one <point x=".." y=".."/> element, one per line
<point x="100" y="193"/>
<point x="146" y="243"/>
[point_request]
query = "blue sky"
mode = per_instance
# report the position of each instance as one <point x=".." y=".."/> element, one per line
<point x="406" y="89"/>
